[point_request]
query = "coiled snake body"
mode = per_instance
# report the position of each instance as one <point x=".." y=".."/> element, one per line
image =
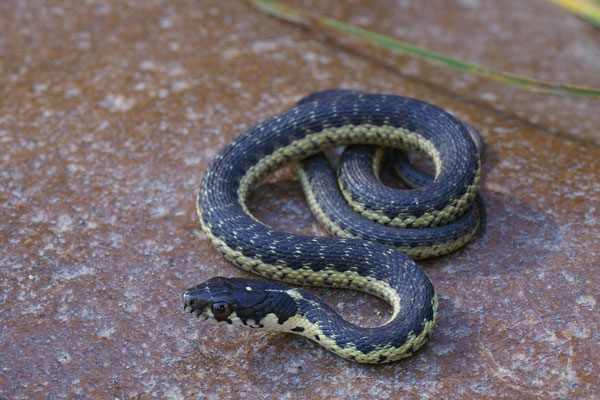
<point x="438" y="217"/>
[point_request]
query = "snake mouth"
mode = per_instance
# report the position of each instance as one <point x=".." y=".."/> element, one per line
<point x="195" y="307"/>
<point x="198" y="313"/>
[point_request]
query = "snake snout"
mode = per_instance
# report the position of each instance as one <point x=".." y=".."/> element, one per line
<point x="194" y="306"/>
<point x="188" y="301"/>
<point x="185" y="299"/>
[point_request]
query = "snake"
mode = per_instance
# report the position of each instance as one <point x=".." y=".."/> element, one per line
<point x="377" y="231"/>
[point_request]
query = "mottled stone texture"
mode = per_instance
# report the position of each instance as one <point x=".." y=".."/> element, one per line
<point x="111" y="111"/>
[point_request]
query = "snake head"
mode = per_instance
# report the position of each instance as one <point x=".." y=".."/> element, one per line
<point x="212" y="299"/>
<point x="237" y="301"/>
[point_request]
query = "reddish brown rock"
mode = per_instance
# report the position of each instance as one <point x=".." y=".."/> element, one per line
<point x="111" y="111"/>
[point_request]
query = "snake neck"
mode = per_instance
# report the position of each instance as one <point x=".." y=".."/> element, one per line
<point x="407" y="331"/>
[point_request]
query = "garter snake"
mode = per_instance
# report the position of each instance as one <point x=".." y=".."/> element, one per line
<point x="427" y="221"/>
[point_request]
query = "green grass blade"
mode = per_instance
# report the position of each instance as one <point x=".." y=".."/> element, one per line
<point x="294" y="15"/>
<point x="587" y="9"/>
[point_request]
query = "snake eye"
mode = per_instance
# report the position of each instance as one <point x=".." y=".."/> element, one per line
<point x="221" y="310"/>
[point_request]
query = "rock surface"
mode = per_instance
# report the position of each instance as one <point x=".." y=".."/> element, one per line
<point x="111" y="111"/>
